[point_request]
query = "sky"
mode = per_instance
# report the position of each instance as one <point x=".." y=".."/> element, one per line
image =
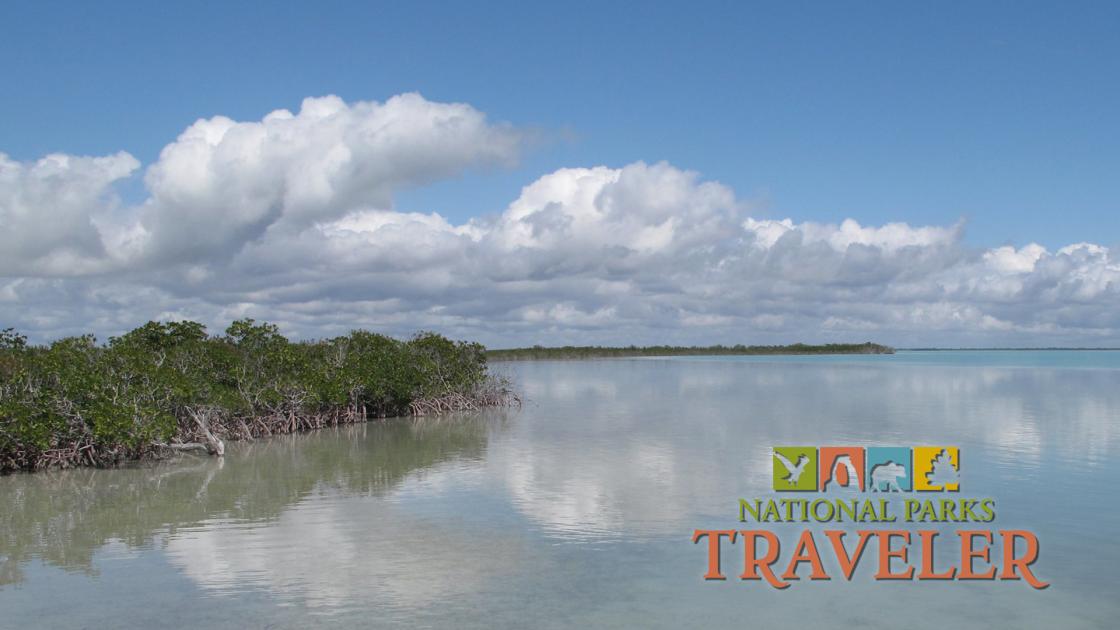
<point x="517" y="173"/>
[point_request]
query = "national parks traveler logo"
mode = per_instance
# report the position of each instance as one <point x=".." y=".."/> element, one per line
<point x="870" y="469"/>
<point x="867" y="503"/>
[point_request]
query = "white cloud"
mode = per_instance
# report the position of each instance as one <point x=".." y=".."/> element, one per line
<point x="290" y="219"/>
<point x="49" y="210"/>
<point x="224" y="183"/>
<point x="1007" y="259"/>
<point x="888" y="238"/>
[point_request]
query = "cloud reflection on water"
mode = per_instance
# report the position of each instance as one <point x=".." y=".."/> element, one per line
<point x="623" y="458"/>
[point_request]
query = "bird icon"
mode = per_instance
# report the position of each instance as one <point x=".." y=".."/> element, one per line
<point x="794" y="470"/>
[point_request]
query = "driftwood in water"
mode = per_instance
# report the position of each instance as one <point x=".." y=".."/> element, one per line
<point x="202" y="418"/>
<point x="192" y="446"/>
<point x="205" y="440"/>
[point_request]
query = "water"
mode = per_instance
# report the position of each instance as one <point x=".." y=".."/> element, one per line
<point x="577" y="511"/>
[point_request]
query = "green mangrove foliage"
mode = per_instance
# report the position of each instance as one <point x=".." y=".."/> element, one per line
<point x="590" y="352"/>
<point x="172" y="387"/>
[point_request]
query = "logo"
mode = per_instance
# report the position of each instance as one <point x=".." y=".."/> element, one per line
<point x="870" y="495"/>
<point x="866" y="469"/>
<point x="842" y="468"/>
<point x="795" y="468"/>
<point x="936" y="468"/>
<point x="889" y="469"/>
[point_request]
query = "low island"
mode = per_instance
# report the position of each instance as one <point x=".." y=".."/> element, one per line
<point x="594" y="352"/>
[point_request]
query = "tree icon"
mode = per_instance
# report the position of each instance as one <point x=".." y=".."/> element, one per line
<point x="943" y="472"/>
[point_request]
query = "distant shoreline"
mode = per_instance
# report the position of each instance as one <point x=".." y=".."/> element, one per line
<point x="1050" y="349"/>
<point x="591" y="352"/>
<point x="606" y="352"/>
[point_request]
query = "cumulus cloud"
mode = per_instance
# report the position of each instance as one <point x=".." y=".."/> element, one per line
<point x="49" y="211"/>
<point x="290" y="219"/>
<point x="223" y="183"/>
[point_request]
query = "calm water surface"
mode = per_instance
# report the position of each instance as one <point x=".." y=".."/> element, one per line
<point x="577" y="510"/>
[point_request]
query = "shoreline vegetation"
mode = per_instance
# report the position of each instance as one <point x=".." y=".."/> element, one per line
<point x="171" y="387"/>
<point x="594" y="352"/>
<point x="1015" y="349"/>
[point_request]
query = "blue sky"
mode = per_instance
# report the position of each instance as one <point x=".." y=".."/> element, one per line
<point x="1000" y="113"/>
<point x="919" y="174"/>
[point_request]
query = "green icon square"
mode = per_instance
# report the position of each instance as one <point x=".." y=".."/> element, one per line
<point x="795" y="468"/>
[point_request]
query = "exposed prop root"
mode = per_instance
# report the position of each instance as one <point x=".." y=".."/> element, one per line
<point x="204" y="430"/>
<point x="497" y="396"/>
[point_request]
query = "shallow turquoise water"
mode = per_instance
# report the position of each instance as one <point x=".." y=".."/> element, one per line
<point x="577" y="510"/>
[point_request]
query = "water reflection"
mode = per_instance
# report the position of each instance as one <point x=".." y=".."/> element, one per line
<point x="670" y="440"/>
<point x="63" y="517"/>
<point x="576" y="510"/>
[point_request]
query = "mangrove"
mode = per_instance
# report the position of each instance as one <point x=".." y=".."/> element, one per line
<point x="170" y="387"/>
